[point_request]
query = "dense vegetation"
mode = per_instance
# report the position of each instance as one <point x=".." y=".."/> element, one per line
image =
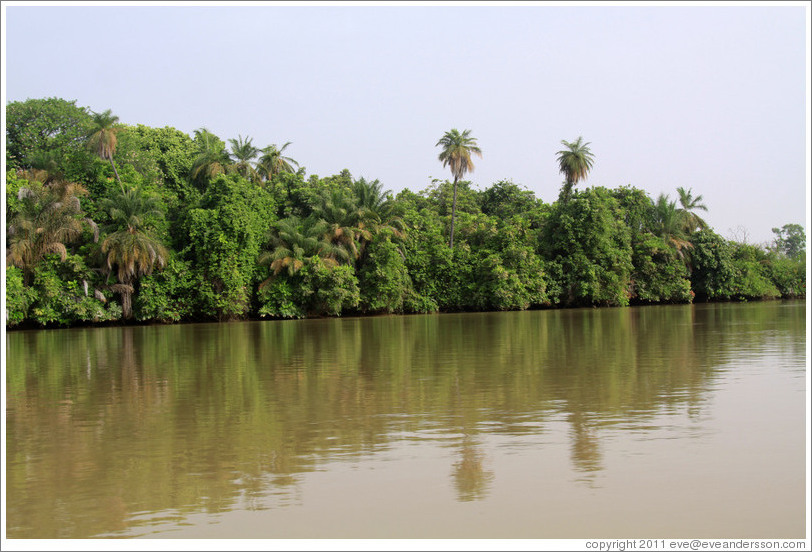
<point x="109" y="222"/>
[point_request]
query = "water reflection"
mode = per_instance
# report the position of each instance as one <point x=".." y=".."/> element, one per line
<point x="471" y="478"/>
<point x="105" y="426"/>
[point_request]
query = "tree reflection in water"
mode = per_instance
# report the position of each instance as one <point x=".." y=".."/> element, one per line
<point x="471" y="479"/>
<point x="209" y="418"/>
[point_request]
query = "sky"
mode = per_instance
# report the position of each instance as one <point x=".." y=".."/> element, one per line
<point x="711" y="97"/>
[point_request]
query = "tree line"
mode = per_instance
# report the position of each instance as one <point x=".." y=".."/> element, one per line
<point x="107" y="222"/>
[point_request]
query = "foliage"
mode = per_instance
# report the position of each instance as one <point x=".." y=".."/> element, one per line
<point x="505" y="199"/>
<point x="659" y="275"/>
<point x="131" y="249"/>
<point x="225" y="232"/>
<point x="168" y="295"/>
<point x="384" y="278"/>
<point x="39" y="125"/>
<point x="788" y="275"/>
<point x="713" y="268"/>
<point x="293" y="242"/>
<point x="164" y="156"/>
<point x="68" y="292"/>
<point x="192" y="231"/>
<point x="440" y="197"/>
<point x="47" y="218"/>
<point x="328" y="290"/>
<point x="211" y="158"/>
<point x="281" y="298"/>
<point x="752" y="277"/>
<point x="790" y="240"/>
<point x="588" y="242"/>
<point x="18" y="297"/>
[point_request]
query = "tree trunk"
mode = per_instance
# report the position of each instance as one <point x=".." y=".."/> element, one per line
<point x="453" y="214"/>
<point x="116" y="173"/>
<point x="126" y="305"/>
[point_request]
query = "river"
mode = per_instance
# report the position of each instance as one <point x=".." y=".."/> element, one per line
<point x="684" y="421"/>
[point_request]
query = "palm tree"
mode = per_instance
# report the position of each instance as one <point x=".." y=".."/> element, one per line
<point x="130" y="210"/>
<point x="211" y="159"/>
<point x="293" y="241"/>
<point x="44" y="167"/>
<point x="342" y="221"/>
<point x="273" y="162"/>
<point x="574" y="163"/>
<point x="669" y="224"/>
<point x="377" y="209"/>
<point x="457" y="150"/>
<point x="243" y="152"/>
<point x="131" y="249"/>
<point x="689" y="204"/>
<point x="49" y="217"/>
<point x="102" y="137"/>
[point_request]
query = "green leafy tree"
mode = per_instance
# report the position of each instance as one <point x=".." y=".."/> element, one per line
<point x="329" y="290"/>
<point x="225" y="231"/>
<point x="67" y="292"/>
<point x="788" y="275"/>
<point x="574" y="163"/>
<point x="714" y="271"/>
<point x="50" y="125"/>
<point x="790" y="240"/>
<point x="456" y="153"/>
<point x="439" y="197"/>
<point x="19" y="297"/>
<point x="166" y="296"/>
<point x="588" y="249"/>
<point x="659" y="275"/>
<point x="162" y="155"/>
<point x="428" y="258"/>
<point x="506" y="199"/>
<point x="384" y="277"/>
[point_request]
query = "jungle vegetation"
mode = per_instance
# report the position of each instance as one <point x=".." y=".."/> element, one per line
<point x="114" y="223"/>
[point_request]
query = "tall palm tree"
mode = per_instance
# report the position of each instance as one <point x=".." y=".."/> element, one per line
<point x="456" y="153"/>
<point x="131" y="250"/>
<point x="49" y="217"/>
<point x="273" y="162"/>
<point x="102" y="137"/>
<point x="690" y="204"/>
<point x="243" y="152"/>
<point x="211" y="157"/>
<point x="574" y="163"/>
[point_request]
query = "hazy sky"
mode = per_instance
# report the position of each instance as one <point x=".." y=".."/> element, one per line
<point x="709" y="98"/>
